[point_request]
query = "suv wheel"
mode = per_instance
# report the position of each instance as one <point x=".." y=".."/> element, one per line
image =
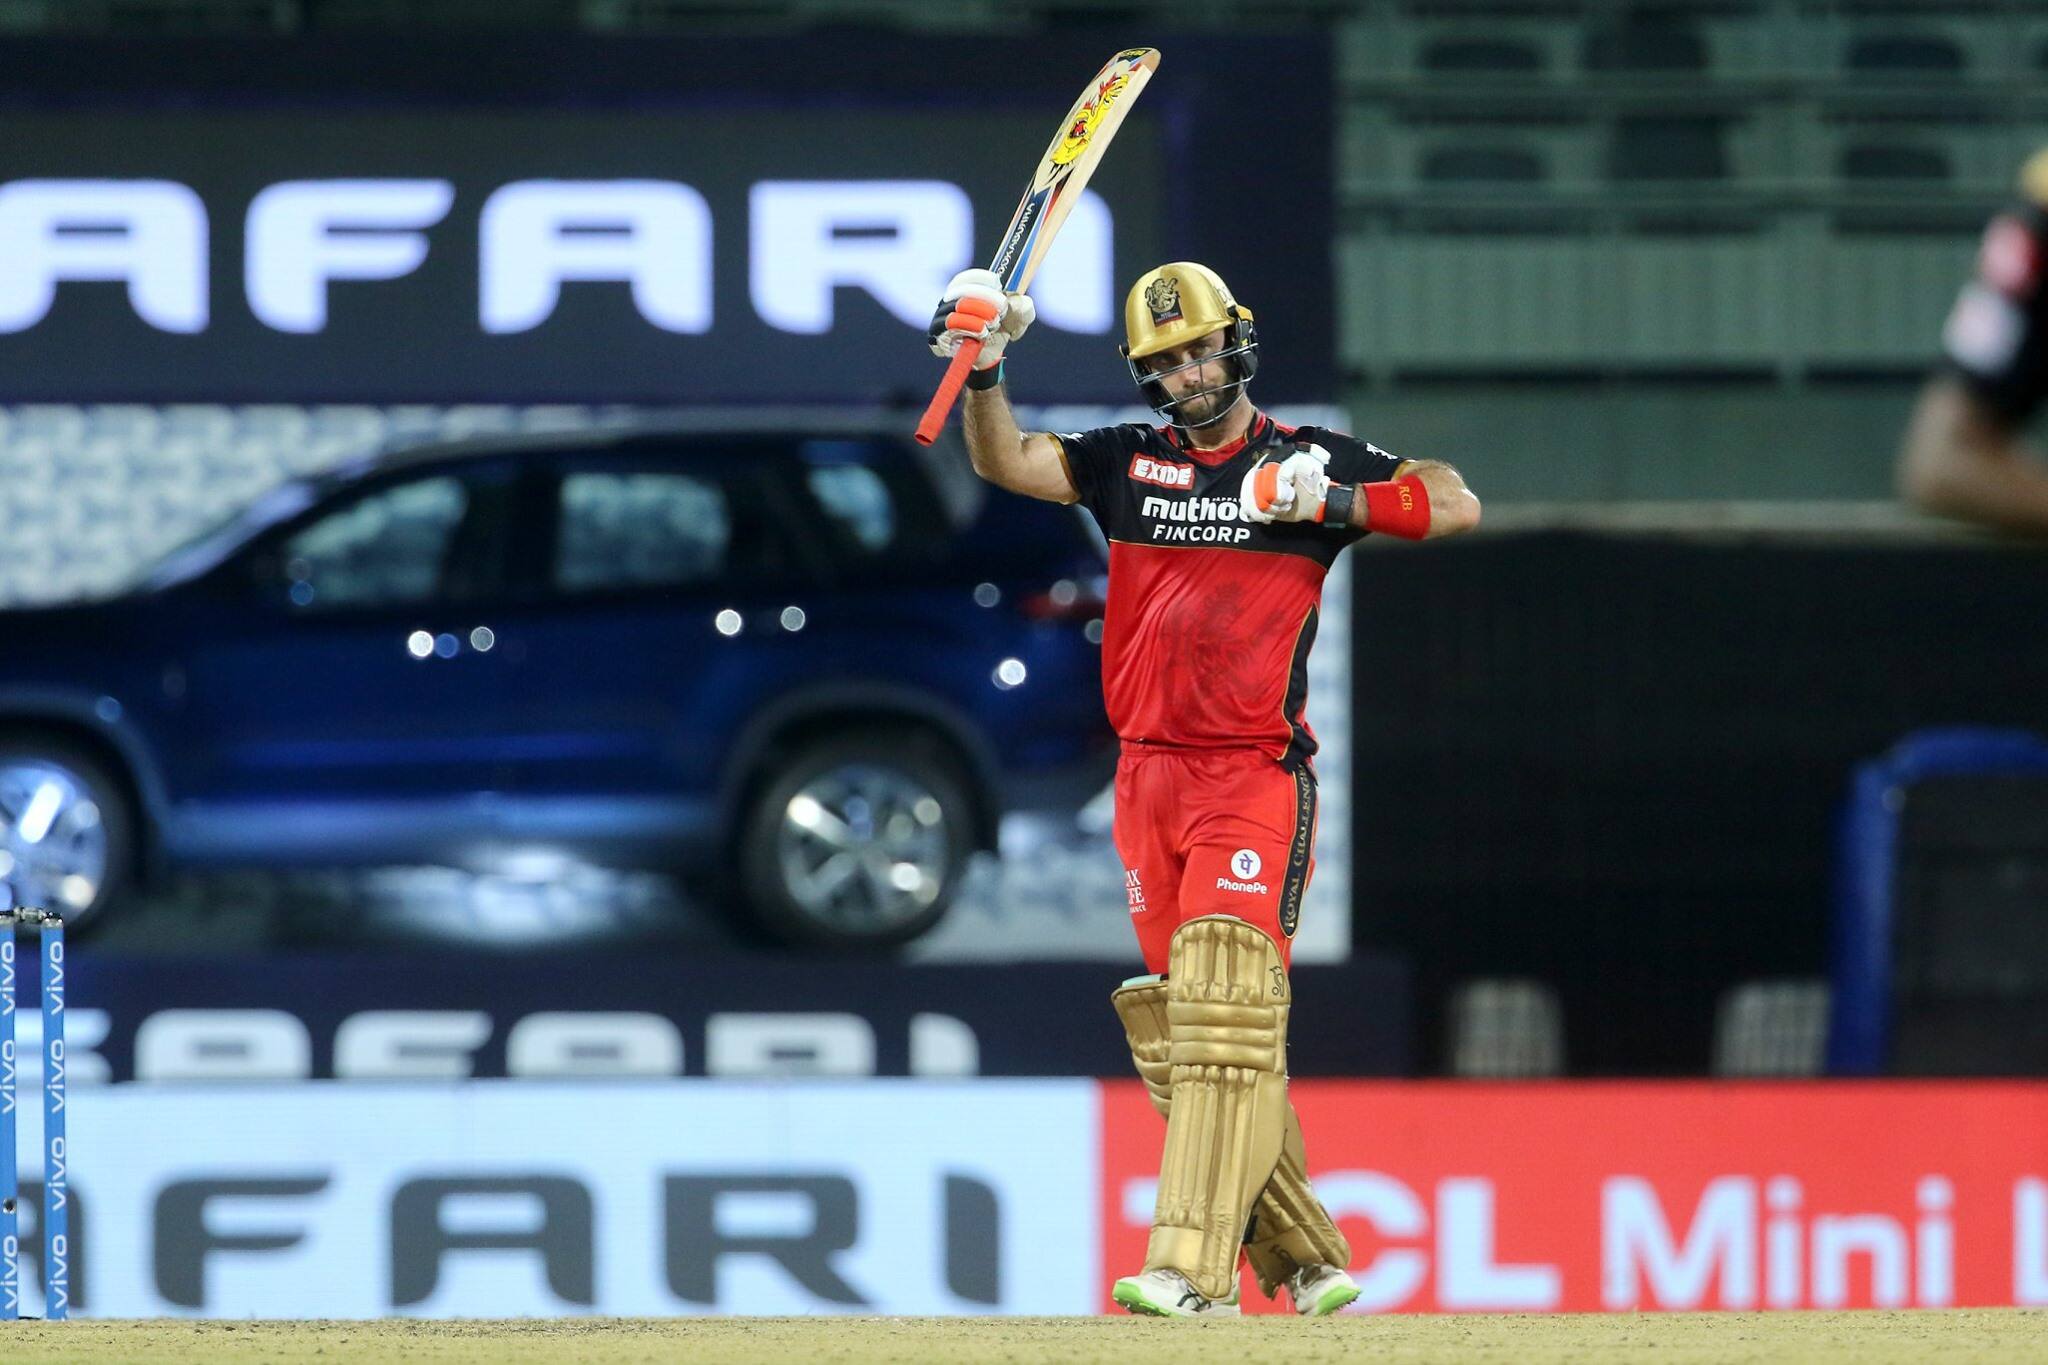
<point x="856" y="844"/>
<point x="66" y="838"/>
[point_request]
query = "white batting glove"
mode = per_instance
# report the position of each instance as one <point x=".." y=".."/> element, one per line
<point x="975" y="306"/>
<point x="1309" y="470"/>
<point x="1286" y="490"/>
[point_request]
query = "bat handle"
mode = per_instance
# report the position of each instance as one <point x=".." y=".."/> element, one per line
<point x="949" y="389"/>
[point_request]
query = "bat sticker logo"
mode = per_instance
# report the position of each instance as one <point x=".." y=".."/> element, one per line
<point x="1082" y="129"/>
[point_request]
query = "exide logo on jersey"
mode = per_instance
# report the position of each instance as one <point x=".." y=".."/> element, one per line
<point x="1164" y="473"/>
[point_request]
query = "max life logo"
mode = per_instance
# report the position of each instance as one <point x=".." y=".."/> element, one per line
<point x="1668" y="1196"/>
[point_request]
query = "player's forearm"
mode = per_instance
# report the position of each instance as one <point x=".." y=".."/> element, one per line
<point x="1426" y="501"/>
<point x="1453" y="509"/>
<point x="1960" y="460"/>
<point x="995" y="445"/>
<point x="1032" y="464"/>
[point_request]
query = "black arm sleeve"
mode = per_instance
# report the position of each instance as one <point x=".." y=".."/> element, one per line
<point x="1095" y="460"/>
<point x="1351" y="460"/>
<point x="1996" y="337"/>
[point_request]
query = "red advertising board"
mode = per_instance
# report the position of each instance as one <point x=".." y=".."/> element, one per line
<point x="1592" y="1196"/>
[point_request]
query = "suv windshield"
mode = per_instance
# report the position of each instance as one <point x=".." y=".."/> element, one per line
<point x="196" y="554"/>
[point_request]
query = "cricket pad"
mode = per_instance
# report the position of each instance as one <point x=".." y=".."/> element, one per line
<point x="1227" y="996"/>
<point x="1290" y="1226"/>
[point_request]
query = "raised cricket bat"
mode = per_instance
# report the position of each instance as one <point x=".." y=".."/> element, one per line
<point x="1062" y="173"/>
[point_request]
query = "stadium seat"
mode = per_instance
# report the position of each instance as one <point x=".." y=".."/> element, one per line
<point x="1479" y="55"/>
<point x="1771" y="1028"/>
<point x="1481" y="164"/>
<point x="1903" y="54"/>
<point x="1505" y="1027"/>
<point x="1644" y="43"/>
<point x="1667" y="149"/>
<point x="1880" y="161"/>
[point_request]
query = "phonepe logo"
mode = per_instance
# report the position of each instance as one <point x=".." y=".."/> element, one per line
<point x="896" y="240"/>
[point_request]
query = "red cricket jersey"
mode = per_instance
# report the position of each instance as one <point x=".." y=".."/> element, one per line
<point x="1210" y="616"/>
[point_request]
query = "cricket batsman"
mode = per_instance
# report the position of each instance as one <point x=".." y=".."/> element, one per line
<point x="1965" y="454"/>
<point x="1221" y="525"/>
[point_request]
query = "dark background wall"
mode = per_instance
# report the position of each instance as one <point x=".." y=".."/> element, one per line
<point x="1614" y="762"/>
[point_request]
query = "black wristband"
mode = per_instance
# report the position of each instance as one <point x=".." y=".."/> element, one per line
<point x="1337" y="503"/>
<point x="983" y="380"/>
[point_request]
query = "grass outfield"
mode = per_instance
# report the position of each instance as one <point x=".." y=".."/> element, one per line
<point x="1994" y="1336"/>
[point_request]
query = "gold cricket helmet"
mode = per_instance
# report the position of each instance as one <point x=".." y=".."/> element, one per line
<point x="2033" y="181"/>
<point x="1176" y="304"/>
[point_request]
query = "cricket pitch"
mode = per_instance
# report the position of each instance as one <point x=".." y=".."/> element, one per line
<point x="1993" y="1336"/>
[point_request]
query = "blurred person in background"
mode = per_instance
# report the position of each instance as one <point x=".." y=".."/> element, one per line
<point x="1963" y="454"/>
<point x="1222" y="525"/>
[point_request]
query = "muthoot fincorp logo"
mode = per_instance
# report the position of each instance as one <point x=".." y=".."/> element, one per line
<point x="1185" y="520"/>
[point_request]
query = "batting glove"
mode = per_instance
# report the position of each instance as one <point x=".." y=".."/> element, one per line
<point x="1286" y="490"/>
<point x="975" y="306"/>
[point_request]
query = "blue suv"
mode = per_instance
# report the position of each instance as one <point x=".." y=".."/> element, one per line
<point x="807" y="666"/>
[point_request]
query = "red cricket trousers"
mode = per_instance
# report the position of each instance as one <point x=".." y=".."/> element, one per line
<point x="1212" y="832"/>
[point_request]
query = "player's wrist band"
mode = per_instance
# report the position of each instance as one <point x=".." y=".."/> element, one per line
<point x="982" y="380"/>
<point x="1337" y="501"/>
<point x="1400" y="508"/>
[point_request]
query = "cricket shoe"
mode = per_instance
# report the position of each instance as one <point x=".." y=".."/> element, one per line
<point x="1320" y="1290"/>
<point x="1167" y="1294"/>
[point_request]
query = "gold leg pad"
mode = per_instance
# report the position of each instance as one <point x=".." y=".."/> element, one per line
<point x="1227" y="998"/>
<point x="1290" y="1226"/>
<point x="1141" y="1004"/>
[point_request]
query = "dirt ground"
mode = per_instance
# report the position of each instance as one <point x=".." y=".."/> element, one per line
<point x="2003" y="1337"/>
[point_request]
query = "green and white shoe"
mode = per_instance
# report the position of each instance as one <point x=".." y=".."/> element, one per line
<point x="1320" y="1290"/>
<point x="1167" y="1294"/>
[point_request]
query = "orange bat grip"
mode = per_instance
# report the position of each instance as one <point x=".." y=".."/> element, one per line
<point x="949" y="390"/>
